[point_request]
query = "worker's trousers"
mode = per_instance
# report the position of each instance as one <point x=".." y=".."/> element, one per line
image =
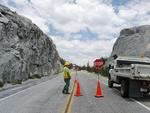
<point x="66" y="87"/>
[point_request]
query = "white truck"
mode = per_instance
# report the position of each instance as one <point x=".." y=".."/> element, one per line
<point x="132" y="73"/>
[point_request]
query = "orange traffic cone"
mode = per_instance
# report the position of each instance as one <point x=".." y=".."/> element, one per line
<point x="99" y="90"/>
<point x="78" y="92"/>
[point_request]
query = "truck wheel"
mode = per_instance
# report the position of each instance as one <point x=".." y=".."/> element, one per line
<point x="110" y="83"/>
<point x="124" y="88"/>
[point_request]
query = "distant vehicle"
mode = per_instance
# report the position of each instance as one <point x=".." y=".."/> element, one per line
<point x="132" y="73"/>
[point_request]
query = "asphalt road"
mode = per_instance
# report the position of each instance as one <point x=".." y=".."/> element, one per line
<point x="47" y="97"/>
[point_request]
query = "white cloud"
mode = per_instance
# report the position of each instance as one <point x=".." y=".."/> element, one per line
<point x="75" y="50"/>
<point x="99" y="16"/>
<point x="124" y="13"/>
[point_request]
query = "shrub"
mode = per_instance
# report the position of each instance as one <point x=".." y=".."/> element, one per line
<point x="1" y="84"/>
<point x="14" y="82"/>
<point x="35" y="76"/>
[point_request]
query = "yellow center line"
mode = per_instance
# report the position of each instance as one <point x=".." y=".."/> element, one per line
<point x="66" y="104"/>
<point x="70" y="107"/>
<point x="69" y="101"/>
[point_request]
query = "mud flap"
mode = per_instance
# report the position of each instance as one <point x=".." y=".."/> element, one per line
<point x="134" y="88"/>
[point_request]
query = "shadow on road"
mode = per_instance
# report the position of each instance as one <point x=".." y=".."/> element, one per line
<point x="145" y="98"/>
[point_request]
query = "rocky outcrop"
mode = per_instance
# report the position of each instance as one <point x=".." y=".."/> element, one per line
<point x="133" y="42"/>
<point x="24" y="49"/>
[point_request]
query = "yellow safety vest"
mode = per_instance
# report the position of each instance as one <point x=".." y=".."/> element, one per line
<point x="67" y="73"/>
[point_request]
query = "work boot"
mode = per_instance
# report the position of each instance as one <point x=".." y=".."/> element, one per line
<point x="63" y="92"/>
<point x="67" y="93"/>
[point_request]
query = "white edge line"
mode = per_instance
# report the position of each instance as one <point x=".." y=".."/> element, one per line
<point x="146" y="107"/>
<point x="2" y="99"/>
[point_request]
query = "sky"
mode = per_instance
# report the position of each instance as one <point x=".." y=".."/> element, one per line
<point x="83" y="30"/>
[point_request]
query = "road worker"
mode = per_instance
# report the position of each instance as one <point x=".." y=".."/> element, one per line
<point x="67" y="77"/>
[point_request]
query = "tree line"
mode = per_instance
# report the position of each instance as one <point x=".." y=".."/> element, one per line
<point x="103" y="71"/>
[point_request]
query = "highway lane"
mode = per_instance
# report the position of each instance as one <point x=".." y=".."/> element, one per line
<point x="47" y="97"/>
<point x="9" y="89"/>
<point x="112" y="102"/>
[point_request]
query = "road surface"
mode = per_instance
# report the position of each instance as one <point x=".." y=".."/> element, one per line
<point x="47" y="97"/>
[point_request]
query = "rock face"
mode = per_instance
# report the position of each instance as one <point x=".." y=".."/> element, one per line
<point x="133" y="42"/>
<point x="24" y="49"/>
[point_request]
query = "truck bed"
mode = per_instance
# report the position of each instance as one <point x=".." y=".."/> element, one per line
<point x="136" y="71"/>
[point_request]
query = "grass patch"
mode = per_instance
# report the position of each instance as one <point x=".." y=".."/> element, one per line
<point x="1" y="84"/>
<point x="35" y="76"/>
<point x="14" y="82"/>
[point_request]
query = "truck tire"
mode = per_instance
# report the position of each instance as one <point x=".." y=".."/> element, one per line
<point x="110" y="83"/>
<point x="124" y="88"/>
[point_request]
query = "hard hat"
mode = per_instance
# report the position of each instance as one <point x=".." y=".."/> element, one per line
<point x="66" y="63"/>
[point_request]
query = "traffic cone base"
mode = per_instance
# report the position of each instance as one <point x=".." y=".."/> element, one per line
<point x="99" y="90"/>
<point x="78" y="92"/>
<point x="98" y="96"/>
